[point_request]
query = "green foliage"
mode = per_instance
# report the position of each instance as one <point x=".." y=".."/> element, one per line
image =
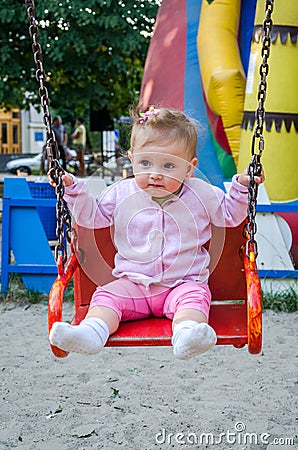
<point x="93" y="54"/>
<point x="18" y="293"/>
<point x="286" y="301"/>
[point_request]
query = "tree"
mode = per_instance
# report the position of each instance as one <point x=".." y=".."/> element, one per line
<point x="93" y="53"/>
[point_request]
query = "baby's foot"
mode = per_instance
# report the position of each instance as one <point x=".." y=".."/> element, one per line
<point x="88" y="338"/>
<point x="191" y="338"/>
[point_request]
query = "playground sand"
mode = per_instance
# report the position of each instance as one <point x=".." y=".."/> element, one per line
<point x="142" y="398"/>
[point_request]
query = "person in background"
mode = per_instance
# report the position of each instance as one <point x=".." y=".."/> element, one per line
<point x="61" y="138"/>
<point x="44" y="160"/>
<point x="79" y="142"/>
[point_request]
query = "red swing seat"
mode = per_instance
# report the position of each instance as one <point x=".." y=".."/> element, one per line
<point x="236" y="309"/>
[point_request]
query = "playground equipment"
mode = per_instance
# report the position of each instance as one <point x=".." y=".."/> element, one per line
<point x="281" y="119"/>
<point x="222" y="78"/>
<point x="28" y="217"/>
<point x="237" y="303"/>
<point x="280" y="132"/>
<point x="236" y="310"/>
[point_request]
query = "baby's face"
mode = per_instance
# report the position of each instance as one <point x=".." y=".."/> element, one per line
<point x="161" y="169"/>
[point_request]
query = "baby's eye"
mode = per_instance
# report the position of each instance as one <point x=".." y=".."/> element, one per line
<point x="145" y="163"/>
<point x="169" y="165"/>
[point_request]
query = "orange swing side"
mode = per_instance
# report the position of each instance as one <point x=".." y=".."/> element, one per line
<point x="236" y="309"/>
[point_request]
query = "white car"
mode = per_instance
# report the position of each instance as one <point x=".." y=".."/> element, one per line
<point x="29" y="165"/>
<point x="25" y="165"/>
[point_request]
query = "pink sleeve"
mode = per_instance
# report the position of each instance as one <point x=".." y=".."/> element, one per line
<point x="231" y="208"/>
<point x="90" y="211"/>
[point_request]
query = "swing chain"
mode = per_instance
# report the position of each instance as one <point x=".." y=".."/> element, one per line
<point x="52" y="148"/>
<point x="263" y="71"/>
<point x="255" y="166"/>
<point x="63" y="228"/>
<point x="63" y="218"/>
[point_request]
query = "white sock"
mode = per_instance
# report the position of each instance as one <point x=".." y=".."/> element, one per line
<point x="191" y="338"/>
<point x="89" y="337"/>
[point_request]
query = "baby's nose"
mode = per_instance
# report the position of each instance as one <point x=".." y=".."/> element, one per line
<point x="155" y="175"/>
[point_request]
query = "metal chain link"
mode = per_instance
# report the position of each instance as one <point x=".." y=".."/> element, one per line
<point x="255" y="166"/>
<point x="63" y="228"/>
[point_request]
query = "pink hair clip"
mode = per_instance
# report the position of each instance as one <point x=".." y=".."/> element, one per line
<point x="145" y="116"/>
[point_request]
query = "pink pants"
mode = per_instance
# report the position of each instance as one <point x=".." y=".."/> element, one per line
<point x="133" y="301"/>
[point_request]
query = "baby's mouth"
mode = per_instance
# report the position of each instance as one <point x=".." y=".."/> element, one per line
<point x="153" y="185"/>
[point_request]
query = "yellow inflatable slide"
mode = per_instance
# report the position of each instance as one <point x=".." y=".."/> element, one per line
<point x="280" y="157"/>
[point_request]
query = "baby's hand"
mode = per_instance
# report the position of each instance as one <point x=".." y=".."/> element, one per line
<point x="67" y="180"/>
<point x="244" y="178"/>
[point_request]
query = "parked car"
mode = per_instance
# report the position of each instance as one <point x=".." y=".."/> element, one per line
<point x="33" y="164"/>
<point x="30" y="165"/>
<point x="24" y="165"/>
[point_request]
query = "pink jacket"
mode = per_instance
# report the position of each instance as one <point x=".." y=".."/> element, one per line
<point x="160" y="244"/>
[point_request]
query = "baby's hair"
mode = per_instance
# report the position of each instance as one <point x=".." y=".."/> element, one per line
<point x="163" y="123"/>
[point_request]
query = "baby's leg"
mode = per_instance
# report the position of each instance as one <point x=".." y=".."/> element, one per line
<point x="90" y="336"/>
<point x="192" y="336"/>
<point x="116" y="301"/>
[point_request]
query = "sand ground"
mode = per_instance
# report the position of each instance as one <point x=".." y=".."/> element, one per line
<point x="142" y="398"/>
